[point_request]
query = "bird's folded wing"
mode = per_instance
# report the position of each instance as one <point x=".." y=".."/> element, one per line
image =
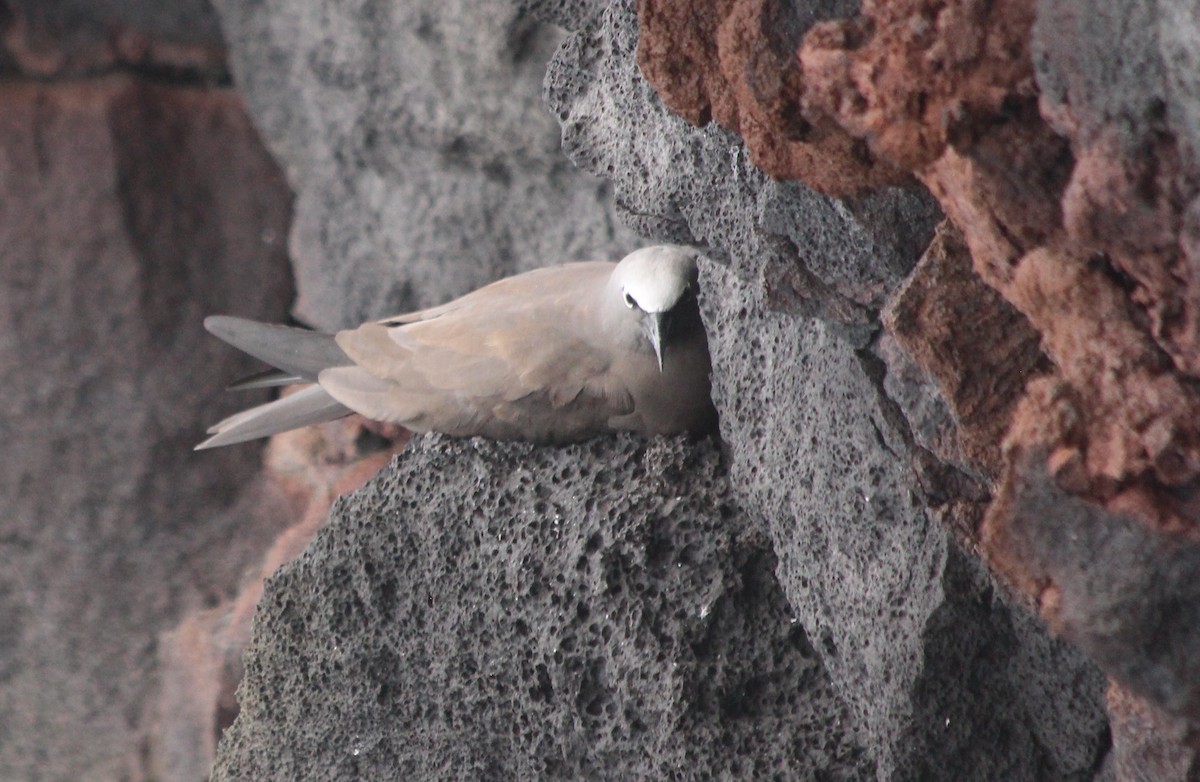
<point x="381" y="400"/>
<point x="573" y="277"/>
<point x="505" y="363"/>
<point x="521" y="342"/>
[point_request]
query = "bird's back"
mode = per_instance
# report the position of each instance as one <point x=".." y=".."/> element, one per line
<point x="522" y="358"/>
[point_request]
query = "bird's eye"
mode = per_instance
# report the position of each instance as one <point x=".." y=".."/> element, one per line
<point x="629" y="302"/>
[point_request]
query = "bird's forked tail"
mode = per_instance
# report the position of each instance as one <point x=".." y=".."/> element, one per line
<point x="298" y="356"/>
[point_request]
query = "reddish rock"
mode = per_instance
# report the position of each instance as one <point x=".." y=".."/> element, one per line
<point x="1003" y="193"/>
<point x="1136" y="418"/>
<point x="127" y="212"/>
<point x="1101" y="576"/>
<point x="947" y="89"/>
<point x="733" y="62"/>
<point x="1120" y="84"/>
<point x="677" y="53"/>
<point x="1147" y="745"/>
<point x="914" y="76"/>
<point x="978" y="349"/>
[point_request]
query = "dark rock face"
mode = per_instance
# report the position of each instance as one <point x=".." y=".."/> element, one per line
<point x="129" y="211"/>
<point x="947" y="677"/>
<point x="507" y="612"/>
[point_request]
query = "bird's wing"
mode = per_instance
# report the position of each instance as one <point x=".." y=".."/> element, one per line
<point x="534" y="335"/>
<point x="513" y="288"/>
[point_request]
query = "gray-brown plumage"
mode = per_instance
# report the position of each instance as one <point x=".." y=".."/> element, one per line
<point x="550" y="356"/>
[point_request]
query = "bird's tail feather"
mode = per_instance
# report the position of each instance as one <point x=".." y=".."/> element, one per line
<point x="298" y="352"/>
<point x="308" y="406"/>
<point x="271" y="378"/>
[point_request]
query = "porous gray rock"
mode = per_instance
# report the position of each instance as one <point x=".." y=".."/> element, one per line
<point x="950" y="680"/>
<point x="485" y="610"/>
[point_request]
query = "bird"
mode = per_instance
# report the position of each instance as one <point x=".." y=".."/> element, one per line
<point x="551" y="356"/>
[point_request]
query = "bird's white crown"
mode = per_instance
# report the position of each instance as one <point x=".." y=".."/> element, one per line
<point x="655" y="278"/>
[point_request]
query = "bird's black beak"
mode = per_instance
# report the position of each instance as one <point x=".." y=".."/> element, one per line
<point x="658" y="325"/>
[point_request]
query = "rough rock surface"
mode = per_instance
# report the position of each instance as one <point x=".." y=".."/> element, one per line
<point x="949" y="680"/>
<point x="978" y="349"/>
<point x="1148" y="745"/>
<point x="1072" y="181"/>
<point x="735" y="63"/>
<point x="201" y="657"/>
<point x="127" y="212"/>
<point x="827" y="617"/>
<point x="424" y="161"/>
<point x="484" y="610"/>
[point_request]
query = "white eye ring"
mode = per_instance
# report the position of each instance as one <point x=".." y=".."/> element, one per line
<point x="629" y="302"/>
